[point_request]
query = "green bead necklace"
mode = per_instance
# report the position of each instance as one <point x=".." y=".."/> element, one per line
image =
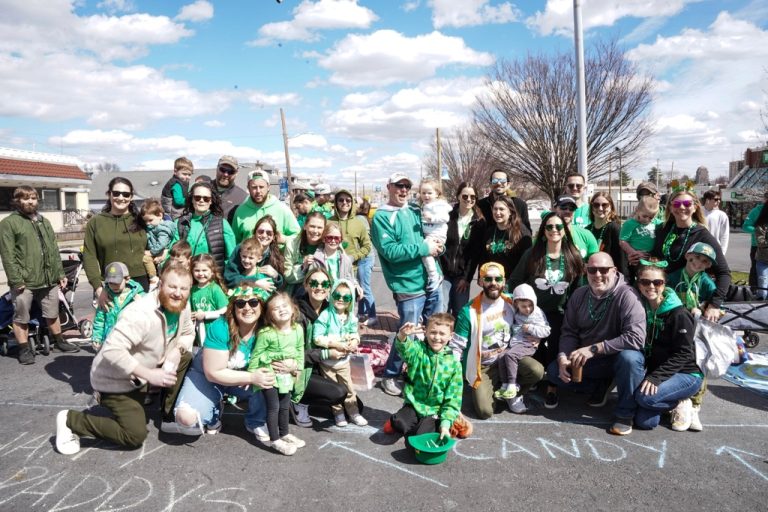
<point x="670" y="239"/>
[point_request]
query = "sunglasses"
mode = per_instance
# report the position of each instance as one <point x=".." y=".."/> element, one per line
<point x="115" y="193"/>
<point x="347" y="297"/>
<point x="240" y="303"/>
<point x="498" y="181"/>
<point x="402" y="186"/>
<point x="267" y="232"/>
<point x="332" y="239"/>
<point x="489" y="279"/>
<point x="658" y="283"/>
<point x="227" y="170"/>
<point x="314" y="283"/>
<point x="575" y="185"/>
<point x="567" y="208"/>
<point x="687" y="203"/>
<point x="553" y="227"/>
<point x="344" y="200"/>
<point x="205" y="199"/>
<point x="603" y="270"/>
<point x="468" y="197"/>
<point x="601" y="206"/>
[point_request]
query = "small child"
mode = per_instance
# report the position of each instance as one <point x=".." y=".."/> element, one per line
<point x="207" y="299"/>
<point x="336" y="328"/>
<point x="331" y="256"/>
<point x="251" y="254"/>
<point x="174" y="194"/>
<point x="433" y="389"/>
<point x="530" y="326"/>
<point x="159" y="235"/>
<point x="638" y="234"/>
<point x="121" y="291"/>
<point x="180" y="254"/>
<point x="435" y="214"/>
<point x="281" y="340"/>
<point x="692" y="283"/>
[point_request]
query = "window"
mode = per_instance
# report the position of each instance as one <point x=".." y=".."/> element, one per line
<point x="49" y="199"/>
<point x="6" y="196"/>
<point x="70" y="200"/>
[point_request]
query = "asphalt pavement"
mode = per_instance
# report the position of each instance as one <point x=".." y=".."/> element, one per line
<point x="560" y="459"/>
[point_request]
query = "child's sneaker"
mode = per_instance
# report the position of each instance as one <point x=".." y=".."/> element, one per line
<point x="461" y="428"/>
<point x="260" y="433"/>
<point x="295" y="441"/>
<point x="282" y="446"/>
<point x="506" y="393"/>
<point x="358" y="420"/>
<point x="696" y="425"/>
<point x="340" y="419"/>
<point x="388" y="428"/>
<point x="517" y="405"/>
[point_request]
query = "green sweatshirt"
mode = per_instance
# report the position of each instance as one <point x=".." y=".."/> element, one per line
<point x="29" y="252"/>
<point x="354" y="233"/>
<point x="108" y="238"/>
<point x="248" y="214"/>
<point x="105" y="319"/>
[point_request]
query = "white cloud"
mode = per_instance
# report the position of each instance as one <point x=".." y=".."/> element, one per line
<point x="386" y="57"/>
<point x="197" y="11"/>
<point x="558" y="14"/>
<point x="214" y="123"/>
<point x="262" y="99"/>
<point x="310" y="17"/>
<point x="308" y="140"/>
<point x="467" y="13"/>
<point x="410" y="6"/>
<point x="359" y="99"/>
<point x="377" y="171"/>
<point x="113" y="6"/>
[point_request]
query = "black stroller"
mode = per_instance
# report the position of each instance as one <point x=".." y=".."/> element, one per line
<point x="744" y="313"/>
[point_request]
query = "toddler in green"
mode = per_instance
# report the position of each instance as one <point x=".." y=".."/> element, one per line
<point x="207" y="298"/>
<point x="638" y="234"/>
<point x="121" y="291"/>
<point x="433" y="388"/>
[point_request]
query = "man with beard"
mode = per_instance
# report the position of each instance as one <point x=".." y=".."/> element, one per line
<point x="482" y="333"/>
<point x="33" y="269"/>
<point x="259" y="204"/>
<point x="583" y="239"/>
<point x="153" y="331"/>
<point x="500" y="187"/>
<point x="231" y="195"/>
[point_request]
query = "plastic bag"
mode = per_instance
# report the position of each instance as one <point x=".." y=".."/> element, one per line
<point x="716" y="348"/>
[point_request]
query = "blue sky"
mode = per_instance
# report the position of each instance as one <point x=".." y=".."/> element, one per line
<point x="363" y="83"/>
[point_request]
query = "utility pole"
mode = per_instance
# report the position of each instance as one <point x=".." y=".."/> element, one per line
<point x="621" y="202"/>
<point x="581" y="93"/>
<point x="287" y="158"/>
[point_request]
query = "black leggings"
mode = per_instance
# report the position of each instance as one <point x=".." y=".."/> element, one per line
<point x="547" y="352"/>
<point x="277" y="413"/>
<point x="324" y="392"/>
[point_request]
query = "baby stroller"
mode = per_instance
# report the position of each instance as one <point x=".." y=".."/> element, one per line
<point x="744" y="313"/>
<point x="39" y="341"/>
<point x="72" y="260"/>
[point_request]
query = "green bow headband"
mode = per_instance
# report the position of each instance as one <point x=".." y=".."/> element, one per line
<point x="241" y="291"/>
<point x="658" y="264"/>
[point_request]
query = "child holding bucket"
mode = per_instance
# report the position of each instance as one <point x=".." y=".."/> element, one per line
<point x="433" y="388"/>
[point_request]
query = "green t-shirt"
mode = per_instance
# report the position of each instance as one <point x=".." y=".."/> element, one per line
<point x="217" y="338"/>
<point x="581" y="216"/>
<point x="208" y="298"/>
<point x="584" y="241"/>
<point x="171" y="323"/>
<point x="640" y="237"/>
<point x="178" y="195"/>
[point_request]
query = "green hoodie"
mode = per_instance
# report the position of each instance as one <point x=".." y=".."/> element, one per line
<point x="105" y="319"/>
<point x="248" y="214"/>
<point x="29" y="252"/>
<point x="354" y="232"/>
<point x="396" y="234"/>
<point x="108" y="238"/>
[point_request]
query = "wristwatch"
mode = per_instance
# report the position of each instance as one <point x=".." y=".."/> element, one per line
<point x="593" y="349"/>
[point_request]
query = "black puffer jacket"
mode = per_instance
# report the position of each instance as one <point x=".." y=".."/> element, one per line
<point x="454" y="261"/>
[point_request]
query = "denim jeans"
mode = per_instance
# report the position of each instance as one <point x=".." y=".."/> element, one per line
<point x="453" y="301"/>
<point x="367" y="307"/>
<point x="627" y="369"/>
<point x="205" y="397"/>
<point x="761" y="270"/>
<point x="415" y="310"/>
<point x="649" y="407"/>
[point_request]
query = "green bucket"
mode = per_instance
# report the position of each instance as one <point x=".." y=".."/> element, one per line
<point x="430" y="449"/>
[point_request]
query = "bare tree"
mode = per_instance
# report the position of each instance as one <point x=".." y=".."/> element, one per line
<point x="106" y="167"/>
<point x="529" y="116"/>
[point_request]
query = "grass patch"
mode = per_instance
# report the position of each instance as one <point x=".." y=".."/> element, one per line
<point x="739" y="277"/>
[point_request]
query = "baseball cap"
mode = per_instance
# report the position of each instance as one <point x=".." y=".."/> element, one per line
<point x="649" y="186"/>
<point x="258" y="174"/>
<point x="564" y="200"/>
<point x="322" y="188"/>
<point x="228" y="160"/>
<point x="705" y="250"/>
<point x="398" y="177"/>
<point x="115" y="273"/>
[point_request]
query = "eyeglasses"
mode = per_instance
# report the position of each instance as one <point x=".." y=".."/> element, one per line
<point x="116" y="193"/>
<point x="498" y="181"/>
<point x="658" y="283"/>
<point x="240" y="303"/>
<point x="601" y="206"/>
<point x="314" y="283"/>
<point x="347" y="297"/>
<point x="331" y="239"/>
<point x="575" y="186"/>
<point x="496" y="279"/>
<point x="603" y="270"/>
<point x="567" y="208"/>
<point x="227" y="170"/>
<point x="553" y="227"/>
<point x="344" y="200"/>
<point x="402" y="186"/>
<point x="687" y="203"/>
<point x="468" y="197"/>
<point x="267" y="232"/>
<point x="205" y="199"/>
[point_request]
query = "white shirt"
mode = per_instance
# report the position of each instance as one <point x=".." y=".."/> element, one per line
<point x="718" y="225"/>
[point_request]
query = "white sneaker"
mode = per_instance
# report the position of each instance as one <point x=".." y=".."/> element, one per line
<point x="67" y="443"/>
<point x="214" y="429"/>
<point x="282" y="446"/>
<point x="517" y="405"/>
<point x="681" y="415"/>
<point x="340" y="419"/>
<point x="295" y="441"/>
<point x="696" y="425"/>
<point x="174" y="427"/>
<point x="261" y="433"/>
<point x="300" y="414"/>
<point x="358" y="420"/>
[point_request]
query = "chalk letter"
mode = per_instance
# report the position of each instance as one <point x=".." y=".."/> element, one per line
<point x="546" y="444"/>
<point x="60" y="505"/>
<point x="172" y="498"/>
<point x="604" y="458"/>
<point x="129" y="497"/>
<point x="233" y="490"/>
<point x="505" y="452"/>
<point x="470" y="457"/>
<point x="662" y="451"/>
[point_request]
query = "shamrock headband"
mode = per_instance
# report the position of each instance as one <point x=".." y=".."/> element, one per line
<point x="657" y="264"/>
<point x="681" y="187"/>
<point x="241" y="291"/>
<point x="488" y="266"/>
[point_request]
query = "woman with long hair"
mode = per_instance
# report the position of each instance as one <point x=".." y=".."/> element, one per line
<point x="272" y="263"/>
<point x="604" y="224"/>
<point x="455" y="258"/>
<point x="300" y="251"/>
<point x="684" y="226"/>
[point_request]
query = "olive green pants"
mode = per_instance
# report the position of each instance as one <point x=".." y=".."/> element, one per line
<point x="529" y="372"/>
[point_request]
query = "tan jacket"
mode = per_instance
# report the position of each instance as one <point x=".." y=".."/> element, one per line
<point x="138" y="338"/>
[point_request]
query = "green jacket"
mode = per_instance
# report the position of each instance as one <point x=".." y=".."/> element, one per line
<point x="434" y="383"/>
<point x="109" y="238"/>
<point x="396" y="234"/>
<point x="248" y="214"/>
<point x="105" y="320"/>
<point x="354" y="233"/>
<point x="29" y="252"/>
<point x="749" y="222"/>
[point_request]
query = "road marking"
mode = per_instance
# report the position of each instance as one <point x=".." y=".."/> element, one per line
<point x="734" y="452"/>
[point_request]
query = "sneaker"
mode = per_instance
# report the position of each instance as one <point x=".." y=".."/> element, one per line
<point x="551" y="401"/>
<point x="66" y="346"/>
<point x="282" y="446"/>
<point x="621" y="427"/>
<point x="517" y="405"/>
<point x="696" y="425"/>
<point x="390" y="387"/>
<point x="388" y="428"/>
<point x="599" y="396"/>
<point x="461" y="428"/>
<point x="340" y="419"/>
<point x="681" y="415"/>
<point x="67" y="443"/>
<point x="506" y="394"/>
<point x="26" y="355"/>
<point x="261" y="433"/>
<point x="371" y="321"/>
<point x="214" y="429"/>
<point x="300" y="415"/>
<point x="174" y="427"/>
<point x="295" y="441"/>
<point x="358" y="420"/>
